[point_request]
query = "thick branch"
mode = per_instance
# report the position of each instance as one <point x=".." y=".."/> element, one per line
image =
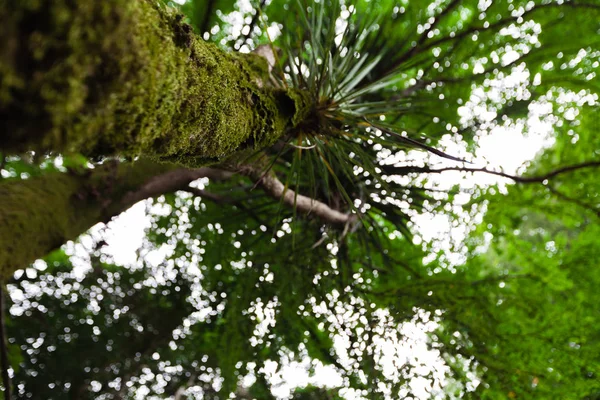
<point x="171" y="181"/>
<point x="40" y="214"/>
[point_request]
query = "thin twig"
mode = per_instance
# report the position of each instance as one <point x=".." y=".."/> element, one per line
<point x="520" y="179"/>
<point x="564" y="197"/>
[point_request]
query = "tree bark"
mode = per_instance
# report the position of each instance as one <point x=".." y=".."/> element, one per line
<point x="129" y="77"/>
<point x="39" y="214"/>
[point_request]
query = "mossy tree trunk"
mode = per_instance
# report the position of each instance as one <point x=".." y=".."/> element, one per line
<point x="128" y="77"/>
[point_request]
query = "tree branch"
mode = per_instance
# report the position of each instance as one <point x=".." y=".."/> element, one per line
<point x="581" y="204"/>
<point x="39" y="214"/>
<point x="307" y="205"/>
<point x="178" y="179"/>
<point x="519" y="179"/>
<point x="304" y="204"/>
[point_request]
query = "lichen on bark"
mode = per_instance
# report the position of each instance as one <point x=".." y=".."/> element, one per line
<point x="129" y="77"/>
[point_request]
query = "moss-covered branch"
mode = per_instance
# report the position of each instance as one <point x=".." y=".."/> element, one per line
<point x="40" y="214"/>
<point x="129" y="77"/>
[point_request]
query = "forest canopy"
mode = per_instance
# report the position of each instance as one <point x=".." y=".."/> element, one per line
<point x="357" y="199"/>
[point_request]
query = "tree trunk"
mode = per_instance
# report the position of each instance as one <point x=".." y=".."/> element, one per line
<point x="129" y="77"/>
<point x="39" y="214"/>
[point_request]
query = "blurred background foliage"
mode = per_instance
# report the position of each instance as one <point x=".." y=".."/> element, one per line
<point x="230" y="288"/>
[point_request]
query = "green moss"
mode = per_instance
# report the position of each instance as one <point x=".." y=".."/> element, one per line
<point x="130" y="78"/>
